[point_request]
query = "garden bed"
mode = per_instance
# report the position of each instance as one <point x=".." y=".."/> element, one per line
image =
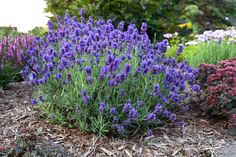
<point x="201" y="136"/>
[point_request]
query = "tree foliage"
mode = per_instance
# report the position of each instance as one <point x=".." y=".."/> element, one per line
<point x="161" y="16"/>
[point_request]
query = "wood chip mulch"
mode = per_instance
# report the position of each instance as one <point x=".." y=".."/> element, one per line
<point x="201" y="137"/>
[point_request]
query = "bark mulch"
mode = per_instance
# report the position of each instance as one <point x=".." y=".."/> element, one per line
<point x="201" y="137"/>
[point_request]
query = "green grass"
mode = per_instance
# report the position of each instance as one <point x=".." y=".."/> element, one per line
<point x="211" y="53"/>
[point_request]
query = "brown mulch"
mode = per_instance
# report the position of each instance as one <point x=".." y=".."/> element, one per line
<point x="201" y="137"/>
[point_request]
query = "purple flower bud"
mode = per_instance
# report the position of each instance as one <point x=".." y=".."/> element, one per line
<point x="111" y="82"/>
<point x="166" y="113"/>
<point x="88" y="70"/>
<point x="69" y="77"/>
<point x="127" y="68"/>
<point x="41" y="98"/>
<point x="158" y="108"/>
<point x="151" y="117"/>
<point x="144" y="27"/>
<point x="156" y="89"/>
<point x="121" y="25"/>
<point x="58" y="76"/>
<point x="121" y="129"/>
<point x="181" y="124"/>
<point x="127" y="107"/>
<point x="90" y="80"/>
<point x="34" y="102"/>
<point x="173" y="117"/>
<point x="196" y="88"/>
<point x="82" y="12"/>
<point x="133" y="114"/>
<point x="112" y="110"/>
<point x="180" y="49"/>
<point x="149" y="133"/>
<point x="102" y="106"/>
<point x="59" y="67"/>
<point x="52" y="116"/>
<point x="50" y="66"/>
<point x="114" y="119"/>
<point x="85" y="96"/>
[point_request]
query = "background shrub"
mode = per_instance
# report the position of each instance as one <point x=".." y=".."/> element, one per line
<point x="161" y="16"/>
<point x="38" y="31"/>
<point x="11" y="54"/>
<point x="219" y="90"/>
<point x="111" y="81"/>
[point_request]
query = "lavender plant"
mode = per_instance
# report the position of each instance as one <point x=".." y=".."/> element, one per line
<point x="106" y="80"/>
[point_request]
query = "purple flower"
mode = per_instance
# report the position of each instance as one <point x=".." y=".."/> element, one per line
<point x="127" y="107"/>
<point x="121" y="129"/>
<point x="59" y="67"/>
<point x="88" y="70"/>
<point x="58" y="76"/>
<point x="196" y="88"/>
<point x="144" y="27"/>
<point x="50" y="66"/>
<point x="113" y="110"/>
<point x="127" y="68"/>
<point x="166" y="113"/>
<point x="143" y="65"/>
<point x="149" y="133"/>
<point x="85" y="96"/>
<point x="102" y="106"/>
<point x="158" y="108"/>
<point x="181" y="124"/>
<point x="34" y="102"/>
<point x="121" y="25"/>
<point x="114" y="119"/>
<point x="111" y="82"/>
<point x="156" y="89"/>
<point x="41" y="98"/>
<point x="82" y="12"/>
<point x="133" y="114"/>
<point x="69" y="77"/>
<point x="126" y="122"/>
<point x="90" y="80"/>
<point x="151" y="117"/>
<point x="173" y="117"/>
<point x="52" y="116"/>
<point x="180" y="49"/>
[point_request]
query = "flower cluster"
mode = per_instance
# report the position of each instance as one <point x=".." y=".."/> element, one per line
<point x="11" y="49"/>
<point x="220" y="92"/>
<point x="232" y="120"/>
<point x="106" y="79"/>
<point x="11" y="57"/>
<point x="217" y="35"/>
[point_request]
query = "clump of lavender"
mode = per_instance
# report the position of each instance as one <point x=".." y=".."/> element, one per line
<point x="104" y="79"/>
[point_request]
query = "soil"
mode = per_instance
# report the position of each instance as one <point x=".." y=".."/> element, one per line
<point x="201" y="137"/>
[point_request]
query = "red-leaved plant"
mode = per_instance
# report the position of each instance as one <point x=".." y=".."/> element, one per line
<point x="219" y="88"/>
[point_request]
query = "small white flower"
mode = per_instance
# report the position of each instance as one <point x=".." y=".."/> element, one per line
<point x="168" y="35"/>
<point x="191" y="43"/>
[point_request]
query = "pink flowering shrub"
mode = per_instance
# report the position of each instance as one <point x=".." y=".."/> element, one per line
<point x="219" y="88"/>
<point x="11" y="48"/>
<point x="11" y="57"/>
